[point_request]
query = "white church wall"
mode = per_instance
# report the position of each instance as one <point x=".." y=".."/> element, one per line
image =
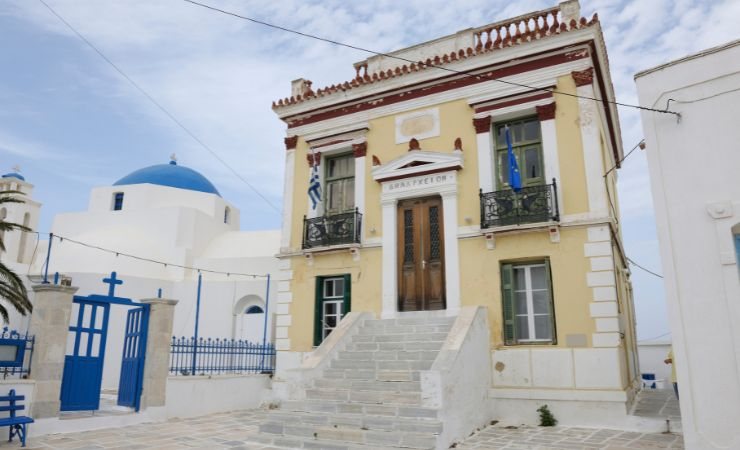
<point x="200" y="395"/>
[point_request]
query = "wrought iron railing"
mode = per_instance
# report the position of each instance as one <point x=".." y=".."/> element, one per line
<point x="335" y="229"/>
<point x="220" y="356"/>
<point x="531" y="204"/>
<point x="15" y="353"/>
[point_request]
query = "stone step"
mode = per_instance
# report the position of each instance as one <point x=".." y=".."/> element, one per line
<point x="371" y="397"/>
<point x="346" y="407"/>
<point x="345" y="435"/>
<point x="394" y="346"/>
<point x="402" y="330"/>
<point x="381" y="365"/>
<point x="388" y="355"/>
<point x="436" y="336"/>
<point x="372" y="375"/>
<point x="409" y="321"/>
<point x="367" y="385"/>
<point x="358" y="421"/>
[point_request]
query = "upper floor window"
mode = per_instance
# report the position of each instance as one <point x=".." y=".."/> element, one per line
<point x="736" y="239"/>
<point x="118" y="201"/>
<point x="254" y="309"/>
<point x="227" y="214"/>
<point x="527" y="303"/>
<point x="526" y="143"/>
<point x="340" y="184"/>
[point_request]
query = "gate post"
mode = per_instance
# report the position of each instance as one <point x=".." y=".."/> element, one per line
<point x="157" y="355"/>
<point x="52" y="306"/>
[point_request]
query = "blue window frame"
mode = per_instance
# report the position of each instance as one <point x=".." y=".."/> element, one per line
<point x="254" y="310"/>
<point x="12" y="352"/>
<point x="737" y="250"/>
<point x="118" y="201"/>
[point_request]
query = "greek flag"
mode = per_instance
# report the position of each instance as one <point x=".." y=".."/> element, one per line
<point x="314" y="187"/>
<point x="515" y="179"/>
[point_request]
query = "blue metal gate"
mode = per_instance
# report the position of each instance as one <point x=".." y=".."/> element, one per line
<point x="134" y="352"/>
<point x="83" y="365"/>
<point x="83" y="368"/>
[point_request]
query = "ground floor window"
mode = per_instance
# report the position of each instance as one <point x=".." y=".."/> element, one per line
<point x="529" y="316"/>
<point x="332" y="303"/>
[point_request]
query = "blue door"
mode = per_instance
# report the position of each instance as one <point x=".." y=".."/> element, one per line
<point x="83" y="365"/>
<point x="132" y="364"/>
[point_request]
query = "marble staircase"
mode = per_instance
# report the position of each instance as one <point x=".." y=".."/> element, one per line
<point x="370" y="396"/>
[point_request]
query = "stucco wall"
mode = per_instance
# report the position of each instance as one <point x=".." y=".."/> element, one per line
<point x="201" y="395"/>
<point x="693" y="166"/>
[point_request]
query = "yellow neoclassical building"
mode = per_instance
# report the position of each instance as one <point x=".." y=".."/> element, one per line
<point x="400" y="202"/>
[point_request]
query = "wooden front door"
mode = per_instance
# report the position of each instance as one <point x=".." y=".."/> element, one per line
<point x="421" y="268"/>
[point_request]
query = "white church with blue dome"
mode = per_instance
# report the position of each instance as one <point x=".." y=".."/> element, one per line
<point x="164" y="212"/>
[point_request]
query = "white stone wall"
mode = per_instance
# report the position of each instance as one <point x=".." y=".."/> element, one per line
<point x="201" y="395"/>
<point x="694" y="165"/>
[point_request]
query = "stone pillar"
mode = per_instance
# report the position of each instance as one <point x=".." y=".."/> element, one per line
<point x="157" y="364"/>
<point x="52" y="306"/>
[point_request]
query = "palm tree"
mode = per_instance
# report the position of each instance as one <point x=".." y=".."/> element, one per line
<point x="12" y="288"/>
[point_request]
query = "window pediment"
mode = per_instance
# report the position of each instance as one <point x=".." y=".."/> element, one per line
<point x="416" y="163"/>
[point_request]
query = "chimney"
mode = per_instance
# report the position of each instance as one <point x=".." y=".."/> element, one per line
<point x="570" y="10"/>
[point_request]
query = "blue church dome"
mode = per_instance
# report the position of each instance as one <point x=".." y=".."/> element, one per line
<point x="170" y="175"/>
<point x="14" y="175"/>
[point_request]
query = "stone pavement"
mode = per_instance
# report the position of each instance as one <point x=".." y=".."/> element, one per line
<point x="238" y="430"/>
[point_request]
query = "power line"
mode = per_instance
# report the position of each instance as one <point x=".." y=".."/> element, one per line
<point x="150" y="260"/>
<point x="162" y="108"/>
<point x="655" y="337"/>
<point x="421" y="63"/>
<point x="646" y="270"/>
<point x="640" y="144"/>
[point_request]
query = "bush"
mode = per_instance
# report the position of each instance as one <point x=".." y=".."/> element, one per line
<point x="546" y="417"/>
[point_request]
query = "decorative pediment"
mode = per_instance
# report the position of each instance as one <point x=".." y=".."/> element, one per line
<point x="418" y="162"/>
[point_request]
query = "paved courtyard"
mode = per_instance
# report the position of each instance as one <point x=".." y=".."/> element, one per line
<point x="238" y="430"/>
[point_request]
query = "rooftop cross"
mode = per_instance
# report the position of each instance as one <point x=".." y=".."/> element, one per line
<point x="112" y="281"/>
<point x="16" y="168"/>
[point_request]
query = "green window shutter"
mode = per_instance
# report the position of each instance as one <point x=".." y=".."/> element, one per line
<point x="317" y="313"/>
<point x="347" y="304"/>
<point x="507" y="296"/>
<point x="548" y="277"/>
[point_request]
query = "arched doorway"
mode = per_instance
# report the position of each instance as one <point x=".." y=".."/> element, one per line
<point x="249" y="318"/>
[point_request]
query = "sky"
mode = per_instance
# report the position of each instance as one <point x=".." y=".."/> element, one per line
<point x="72" y="122"/>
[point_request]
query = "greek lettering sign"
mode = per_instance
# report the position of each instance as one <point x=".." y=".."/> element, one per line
<point x="424" y="182"/>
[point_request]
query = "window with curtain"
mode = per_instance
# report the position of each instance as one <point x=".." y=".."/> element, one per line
<point x="340" y="184"/>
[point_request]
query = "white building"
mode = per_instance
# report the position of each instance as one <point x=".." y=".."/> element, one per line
<point x="695" y="175"/>
<point x="167" y="213"/>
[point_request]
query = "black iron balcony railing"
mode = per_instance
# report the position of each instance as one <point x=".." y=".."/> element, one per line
<point x="336" y="229"/>
<point x="531" y="204"/>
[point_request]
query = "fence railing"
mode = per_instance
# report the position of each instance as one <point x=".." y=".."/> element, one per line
<point x="531" y="204"/>
<point x="15" y="353"/>
<point x="220" y="356"/>
<point x="336" y="229"/>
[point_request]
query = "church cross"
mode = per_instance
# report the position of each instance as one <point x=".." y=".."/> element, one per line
<point x="112" y="282"/>
<point x="16" y="168"/>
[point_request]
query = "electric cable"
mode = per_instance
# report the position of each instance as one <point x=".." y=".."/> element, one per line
<point x="420" y="63"/>
<point x="163" y="109"/>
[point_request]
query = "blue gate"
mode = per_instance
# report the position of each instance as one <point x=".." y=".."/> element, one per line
<point x="83" y="365"/>
<point x="134" y="352"/>
<point x="83" y="368"/>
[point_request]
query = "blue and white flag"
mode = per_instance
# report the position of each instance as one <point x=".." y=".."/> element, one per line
<point x="515" y="179"/>
<point x="314" y="187"/>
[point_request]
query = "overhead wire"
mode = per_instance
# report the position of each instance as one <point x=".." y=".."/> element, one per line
<point x="643" y="268"/>
<point x="421" y="63"/>
<point x="162" y="108"/>
<point x="149" y="260"/>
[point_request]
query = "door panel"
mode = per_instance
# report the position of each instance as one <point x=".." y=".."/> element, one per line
<point x="421" y="255"/>
<point x="83" y="365"/>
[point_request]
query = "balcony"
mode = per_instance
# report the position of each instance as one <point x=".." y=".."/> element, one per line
<point x="533" y="204"/>
<point x="336" y="229"/>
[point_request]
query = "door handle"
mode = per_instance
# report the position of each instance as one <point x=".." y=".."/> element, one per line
<point x="423" y="264"/>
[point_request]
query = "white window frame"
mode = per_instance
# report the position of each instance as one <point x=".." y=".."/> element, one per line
<point x="527" y="270"/>
<point x="337" y="300"/>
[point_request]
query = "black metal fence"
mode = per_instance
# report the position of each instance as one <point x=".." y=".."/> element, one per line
<point x="220" y="356"/>
<point x="331" y="230"/>
<point x="531" y="204"/>
<point x="16" y="350"/>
